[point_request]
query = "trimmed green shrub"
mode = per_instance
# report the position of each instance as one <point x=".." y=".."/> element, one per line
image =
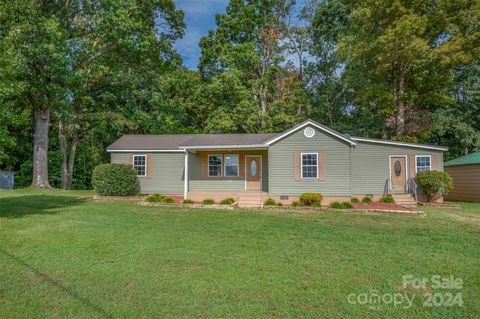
<point x="208" y="201"/>
<point x="317" y="204"/>
<point x="307" y="199"/>
<point x="155" y="198"/>
<point x="270" y="202"/>
<point x="114" y="180"/>
<point x="140" y="195"/>
<point x="168" y="200"/>
<point x="296" y="203"/>
<point x="227" y="201"/>
<point x="366" y="200"/>
<point x="335" y="205"/>
<point x="188" y="201"/>
<point x="387" y="199"/>
<point x="347" y="205"/>
<point x="341" y="205"/>
<point x="434" y="184"/>
<point x="278" y="204"/>
<point x="354" y="200"/>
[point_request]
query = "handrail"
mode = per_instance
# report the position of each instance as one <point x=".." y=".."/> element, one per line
<point x="387" y="190"/>
<point x="412" y="188"/>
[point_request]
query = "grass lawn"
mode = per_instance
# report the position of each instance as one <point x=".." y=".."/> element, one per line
<point x="64" y="255"/>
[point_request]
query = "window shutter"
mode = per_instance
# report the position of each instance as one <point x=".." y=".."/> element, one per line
<point x="297" y="167"/>
<point x="130" y="159"/>
<point x="149" y="165"/>
<point x="321" y="165"/>
<point x="241" y="164"/>
<point x="411" y="159"/>
<point x="434" y="163"/>
<point x="205" y="165"/>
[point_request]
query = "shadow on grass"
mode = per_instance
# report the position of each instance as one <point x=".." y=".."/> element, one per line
<point x="70" y="292"/>
<point x="20" y="206"/>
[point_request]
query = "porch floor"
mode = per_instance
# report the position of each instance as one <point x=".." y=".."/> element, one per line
<point x="245" y="199"/>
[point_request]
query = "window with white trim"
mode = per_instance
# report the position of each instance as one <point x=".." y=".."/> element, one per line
<point x="215" y="165"/>
<point x="423" y="163"/>
<point x="140" y="165"/>
<point x="231" y="165"/>
<point x="309" y="165"/>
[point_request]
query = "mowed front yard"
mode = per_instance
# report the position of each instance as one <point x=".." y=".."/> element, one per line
<point x="64" y="255"/>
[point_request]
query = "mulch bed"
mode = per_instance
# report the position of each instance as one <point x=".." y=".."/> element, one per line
<point x="382" y="206"/>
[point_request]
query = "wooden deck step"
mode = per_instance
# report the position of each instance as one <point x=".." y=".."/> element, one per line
<point x="405" y="200"/>
<point x="251" y="199"/>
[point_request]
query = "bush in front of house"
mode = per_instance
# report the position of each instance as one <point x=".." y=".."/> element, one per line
<point x="307" y="199"/>
<point x="296" y="203"/>
<point x="227" y="201"/>
<point x="278" y="204"/>
<point x="317" y="204"/>
<point x="155" y="198"/>
<point x="188" y="201"/>
<point x="366" y="200"/>
<point x="168" y="200"/>
<point x="387" y="199"/>
<point x="114" y="179"/>
<point x="341" y="205"/>
<point x="208" y="201"/>
<point x="434" y="184"/>
<point x="354" y="200"/>
<point x="270" y="202"/>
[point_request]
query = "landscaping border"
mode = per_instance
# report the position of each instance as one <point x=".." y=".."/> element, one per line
<point x="117" y="198"/>
<point x="215" y="206"/>
<point x="439" y="205"/>
<point x="349" y="210"/>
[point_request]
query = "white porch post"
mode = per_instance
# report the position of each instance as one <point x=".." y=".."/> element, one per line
<point x="185" y="182"/>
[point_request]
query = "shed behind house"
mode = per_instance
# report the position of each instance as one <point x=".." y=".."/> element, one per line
<point x="465" y="173"/>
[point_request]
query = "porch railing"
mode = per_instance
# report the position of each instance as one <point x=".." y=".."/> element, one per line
<point x="412" y="188"/>
<point x="387" y="189"/>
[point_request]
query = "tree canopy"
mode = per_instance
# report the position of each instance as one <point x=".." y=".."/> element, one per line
<point x="76" y="75"/>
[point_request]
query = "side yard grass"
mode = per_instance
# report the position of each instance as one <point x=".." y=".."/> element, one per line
<point x="65" y="255"/>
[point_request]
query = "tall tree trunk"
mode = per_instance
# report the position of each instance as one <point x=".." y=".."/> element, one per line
<point x="62" y="138"/>
<point x="263" y="103"/>
<point x="401" y="108"/>
<point x="68" y="158"/>
<point x="40" y="147"/>
<point x="73" y="153"/>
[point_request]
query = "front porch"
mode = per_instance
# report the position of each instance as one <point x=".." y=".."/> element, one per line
<point x="220" y="173"/>
<point x="245" y="199"/>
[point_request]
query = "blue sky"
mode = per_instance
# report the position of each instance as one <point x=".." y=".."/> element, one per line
<point x="199" y="18"/>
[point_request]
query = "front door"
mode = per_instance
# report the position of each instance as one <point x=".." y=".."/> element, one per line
<point x="398" y="174"/>
<point x="253" y="169"/>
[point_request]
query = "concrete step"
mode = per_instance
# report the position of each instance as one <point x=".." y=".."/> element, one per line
<point x="405" y="200"/>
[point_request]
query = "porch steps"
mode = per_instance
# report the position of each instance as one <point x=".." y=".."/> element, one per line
<point x="251" y="199"/>
<point x="405" y="200"/>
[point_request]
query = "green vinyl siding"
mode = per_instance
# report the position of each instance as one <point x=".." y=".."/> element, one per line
<point x="197" y="182"/>
<point x="167" y="172"/>
<point x="282" y="165"/>
<point x="370" y="165"/>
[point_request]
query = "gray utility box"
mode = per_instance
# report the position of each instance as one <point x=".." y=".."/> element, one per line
<point x="6" y="180"/>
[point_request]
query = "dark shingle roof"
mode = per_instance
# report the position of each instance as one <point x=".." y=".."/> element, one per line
<point x="228" y="139"/>
<point x="470" y="159"/>
<point x="149" y="142"/>
<point x="174" y="142"/>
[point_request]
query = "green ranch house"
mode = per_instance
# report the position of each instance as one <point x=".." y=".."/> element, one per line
<point x="252" y="167"/>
